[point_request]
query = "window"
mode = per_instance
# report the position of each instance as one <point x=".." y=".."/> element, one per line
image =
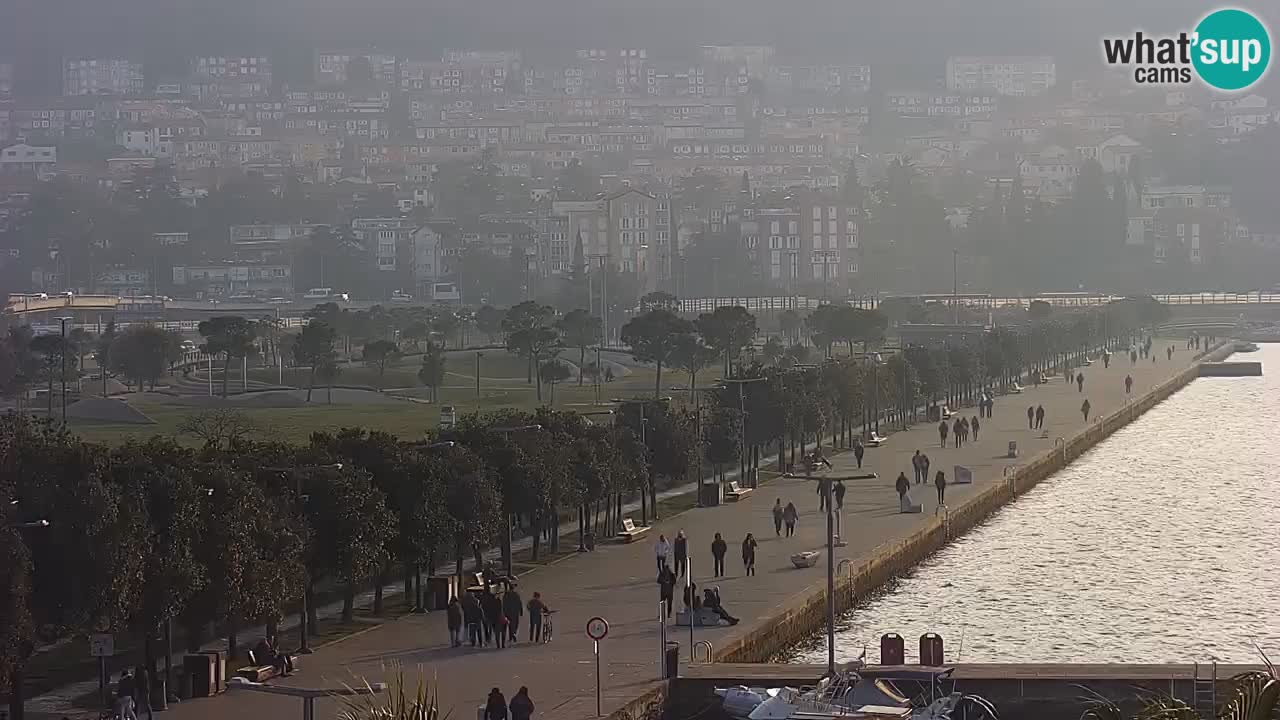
<point x="626" y="238"/>
<point x="817" y="226"/>
<point x="1189" y="202"/>
<point x="853" y="268"/>
<point x="817" y="213"/>
<point x="817" y="242"/>
<point x="793" y="227"/>
<point x="775" y="227"/>
<point x="833" y="226"/>
<point x="1182" y="230"/>
<point x="775" y="242"/>
<point x="831" y="212"/>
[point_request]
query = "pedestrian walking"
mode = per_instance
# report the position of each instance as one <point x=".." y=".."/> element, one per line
<point x="1168" y="353"/>
<point x="661" y="550"/>
<point x="838" y="491"/>
<point x="823" y="486"/>
<point x="942" y="433"/>
<point x="536" y="610"/>
<point x="1133" y="357"/>
<point x="718" y="549"/>
<point x="976" y="426"/>
<point x="777" y="517"/>
<point x="1031" y="417"/>
<point x="1080" y="382"/>
<point x="955" y="432"/>
<point x="902" y="486"/>
<point x="473" y="616"/>
<point x="521" y="705"/>
<point x="1039" y="417"/>
<point x="858" y="451"/>
<point x="749" y="545"/>
<point x="513" y="610"/>
<point x="495" y="708"/>
<point x="680" y="548"/>
<point x="1128" y="384"/>
<point x="940" y="482"/>
<point x="789" y="516"/>
<point x="1084" y="409"/>
<point x="142" y="690"/>
<point x="125" y="690"/>
<point x="1106" y="360"/>
<point x="915" y="468"/>
<point x="454" y="614"/>
<point x="492" y="608"/>
<point x="924" y="466"/>
<point x="666" y="588"/>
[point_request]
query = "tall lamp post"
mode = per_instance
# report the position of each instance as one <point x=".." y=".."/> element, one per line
<point x="62" y="350"/>
<point x="507" y="521"/>
<point x="17" y="700"/>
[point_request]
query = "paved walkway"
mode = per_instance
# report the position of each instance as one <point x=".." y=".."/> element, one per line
<point x="617" y="581"/>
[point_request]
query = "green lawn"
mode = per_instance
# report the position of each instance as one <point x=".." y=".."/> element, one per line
<point x="406" y="419"/>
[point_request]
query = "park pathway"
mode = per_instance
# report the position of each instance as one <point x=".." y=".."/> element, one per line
<point x="617" y="581"/>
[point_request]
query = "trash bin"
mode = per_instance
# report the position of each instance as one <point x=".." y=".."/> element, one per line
<point x="892" y="649"/>
<point x="710" y="493"/>
<point x="931" y="650"/>
<point x="1013" y="448"/>
<point x="200" y="671"/>
<point x="671" y="661"/>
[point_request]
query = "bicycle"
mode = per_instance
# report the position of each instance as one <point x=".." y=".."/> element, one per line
<point x="547" y="625"/>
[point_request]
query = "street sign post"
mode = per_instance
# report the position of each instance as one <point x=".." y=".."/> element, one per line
<point x="102" y="646"/>
<point x="597" y="630"/>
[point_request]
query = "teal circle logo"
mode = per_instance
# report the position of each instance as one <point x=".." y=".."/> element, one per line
<point x="1231" y="49"/>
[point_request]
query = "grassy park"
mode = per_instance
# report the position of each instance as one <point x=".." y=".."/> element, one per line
<point x="402" y="408"/>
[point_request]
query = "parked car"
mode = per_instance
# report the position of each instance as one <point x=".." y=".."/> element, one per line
<point x="401" y="297"/>
<point x="279" y="301"/>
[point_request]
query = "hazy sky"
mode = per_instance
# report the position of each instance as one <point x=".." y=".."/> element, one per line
<point x="902" y="32"/>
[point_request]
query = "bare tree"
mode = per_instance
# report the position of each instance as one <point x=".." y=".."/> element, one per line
<point x="222" y="428"/>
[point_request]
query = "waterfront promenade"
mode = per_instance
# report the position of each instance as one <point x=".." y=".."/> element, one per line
<point x="618" y="581"/>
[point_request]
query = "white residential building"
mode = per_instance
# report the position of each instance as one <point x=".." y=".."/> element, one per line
<point x="1002" y="75"/>
<point x="102" y="76"/>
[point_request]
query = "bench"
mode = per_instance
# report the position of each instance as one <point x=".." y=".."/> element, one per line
<point x="253" y="672"/>
<point x="630" y="532"/>
<point x="702" y="617"/>
<point x="478" y="583"/>
<point x="735" y="492"/>
<point x="876" y="440"/>
<point x="946" y="412"/>
<point x="805" y="559"/>
<point x="1015" y="389"/>
<point x="906" y="507"/>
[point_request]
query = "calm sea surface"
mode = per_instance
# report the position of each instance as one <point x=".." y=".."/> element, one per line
<point x="1159" y="545"/>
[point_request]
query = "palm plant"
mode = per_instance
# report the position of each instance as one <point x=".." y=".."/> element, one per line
<point x="399" y="701"/>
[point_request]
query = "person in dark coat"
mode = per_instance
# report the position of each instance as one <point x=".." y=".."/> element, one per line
<point x="1031" y="417"/>
<point x="1084" y="409"/>
<point x="777" y="517"/>
<point x="1039" y="417"/>
<point x="454" y="615"/>
<point x="901" y="485"/>
<point x="839" y="491"/>
<point x="536" y="610"/>
<point x="691" y="599"/>
<point x="142" y="690"/>
<point x="1079" y="382"/>
<point x="749" y="545"/>
<point x="924" y="466"/>
<point x="940" y="482"/>
<point x="975" y="426"/>
<point x="667" y="588"/>
<point x="718" y="550"/>
<point x="858" y="451"/>
<point x="789" y="516"/>
<point x="680" y="549"/>
<point x="521" y="705"/>
<point x="492" y="608"/>
<point x="512" y="609"/>
<point x="942" y="433"/>
<point x="473" y="616"/>
<point x="496" y="707"/>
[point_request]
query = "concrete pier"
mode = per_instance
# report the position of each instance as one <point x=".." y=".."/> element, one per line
<point x="1231" y="369"/>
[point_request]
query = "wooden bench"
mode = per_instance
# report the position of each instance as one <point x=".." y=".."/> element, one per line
<point x="477" y="583"/>
<point x="736" y="492"/>
<point x="253" y="672"/>
<point x="630" y="532"/>
<point x="876" y="440"/>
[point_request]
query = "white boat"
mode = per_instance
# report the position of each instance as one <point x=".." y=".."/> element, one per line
<point x="1246" y="347"/>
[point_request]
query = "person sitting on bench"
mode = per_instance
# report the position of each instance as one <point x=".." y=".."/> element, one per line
<point x="691" y="599"/>
<point x="711" y="601"/>
<point x="266" y="653"/>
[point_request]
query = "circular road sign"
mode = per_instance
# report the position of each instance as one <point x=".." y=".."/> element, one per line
<point x="597" y="628"/>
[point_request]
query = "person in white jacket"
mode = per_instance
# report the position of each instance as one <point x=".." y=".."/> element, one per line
<point x="661" y="550"/>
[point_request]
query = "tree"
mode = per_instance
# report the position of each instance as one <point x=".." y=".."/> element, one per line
<point x="222" y="428"/>
<point x="229" y="336"/>
<point x="529" y="333"/>
<point x="552" y="372"/>
<point x="327" y="371"/>
<point x="575" y="182"/>
<point x="381" y="353"/>
<point x="1039" y="310"/>
<point x="350" y="528"/>
<point x="314" y="343"/>
<point x="772" y="351"/>
<point x="489" y="321"/>
<point x="692" y="356"/>
<point x="53" y="353"/>
<point x="659" y="299"/>
<point x="728" y="330"/>
<point x="580" y="329"/>
<point x="789" y="323"/>
<point x="142" y="353"/>
<point x="654" y="337"/>
<point x="431" y="374"/>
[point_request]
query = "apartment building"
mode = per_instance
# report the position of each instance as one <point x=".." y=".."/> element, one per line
<point x="102" y="76"/>
<point x="1004" y="75"/>
<point x="1192" y="235"/>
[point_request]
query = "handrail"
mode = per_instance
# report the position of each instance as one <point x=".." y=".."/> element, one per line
<point x="703" y="644"/>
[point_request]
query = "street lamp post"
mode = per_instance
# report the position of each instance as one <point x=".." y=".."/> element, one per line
<point x="304" y="629"/>
<point x="63" y="352"/>
<point x="506" y="533"/>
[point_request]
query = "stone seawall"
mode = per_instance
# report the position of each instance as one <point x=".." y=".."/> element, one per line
<point x="803" y="616"/>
